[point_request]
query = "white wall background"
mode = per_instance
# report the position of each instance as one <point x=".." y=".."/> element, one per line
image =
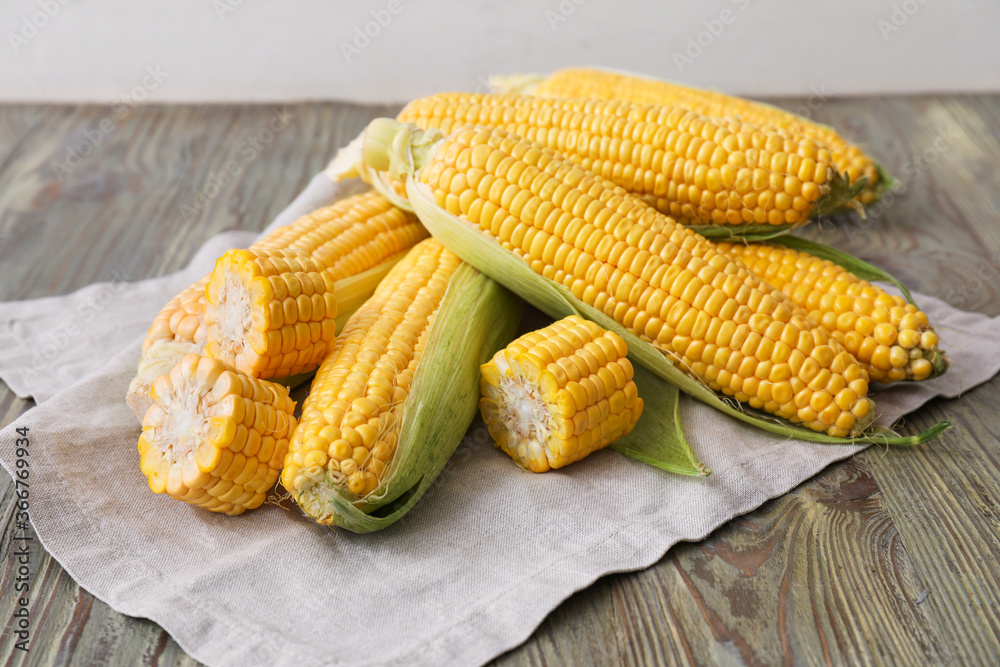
<point x="255" y="50"/>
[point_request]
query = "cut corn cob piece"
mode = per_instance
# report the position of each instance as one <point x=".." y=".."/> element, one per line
<point x="346" y="451"/>
<point x="180" y="320"/>
<point x="359" y="238"/>
<point x="270" y="313"/>
<point x="157" y="360"/>
<point x="698" y="170"/>
<point x="891" y="338"/>
<point x="609" y="85"/>
<point x="556" y="395"/>
<point x="215" y="437"/>
<point x="705" y="311"/>
<point x="351" y="236"/>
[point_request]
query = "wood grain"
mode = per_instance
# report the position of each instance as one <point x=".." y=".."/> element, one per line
<point x="888" y="558"/>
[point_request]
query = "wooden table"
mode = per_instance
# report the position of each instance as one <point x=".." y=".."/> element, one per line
<point x="890" y="557"/>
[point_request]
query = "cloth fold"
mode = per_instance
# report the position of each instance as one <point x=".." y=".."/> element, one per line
<point x="468" y="574"/>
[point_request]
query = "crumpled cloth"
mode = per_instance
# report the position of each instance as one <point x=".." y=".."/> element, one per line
<point x="467" y="575"/>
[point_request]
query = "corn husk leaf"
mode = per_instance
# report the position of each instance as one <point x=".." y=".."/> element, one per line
<point x="658" y="438"/>
<point x="742" y="232"/>
<point x="476" y="318"/>
<point x="554" y="299"/>
<point x="353" y="291"/>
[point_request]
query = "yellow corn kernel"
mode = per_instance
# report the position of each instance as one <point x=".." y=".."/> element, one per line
<point x="345" y="413"/>
<point x="349" y="237"/>
<point x="630" y="144"/>
<point x="619" y="220"/>
<point x="888" y="335"/>
<point x="606" y="85"/>
<point x="195" y="435"/>
<point x="270" y="313"/>
<point x="539" y="417"/>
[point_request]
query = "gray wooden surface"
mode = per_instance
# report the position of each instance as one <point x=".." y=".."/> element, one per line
<point x="888" y="558"/>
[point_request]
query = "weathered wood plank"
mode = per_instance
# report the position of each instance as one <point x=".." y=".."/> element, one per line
<point x="943" y="498"/>
<point x="829" y="573"/>
<point x="125" y="219"/>
<point x="131" y="208"/>
<point x="818" y="576"/>
<point x="854" y="599"/>
<point x="937" y="231"/>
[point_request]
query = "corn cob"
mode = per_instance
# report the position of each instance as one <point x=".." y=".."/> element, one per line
<point x="358" y="239"/>
<point x="215" y="437"/>
<point x="180" y="321"/>
<point x="350" y="418"/>
<point x="607" y="85"/>
<point x="701" y="308"/>
<point x="351" y="437"/>
<point x="350" y="236"/>
<point x="556" y="395"/>
<point x="698" y="170"/>
<point x="270" y="313"/>
<point x="891" y="338"/>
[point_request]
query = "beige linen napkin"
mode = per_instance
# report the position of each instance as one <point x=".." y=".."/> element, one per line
<point x="468" y="574"/>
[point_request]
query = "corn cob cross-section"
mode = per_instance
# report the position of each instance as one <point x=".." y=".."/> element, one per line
<point x="358" y="239"/>
<point x="705" y="311"/>
<point x="215" y="437"/>
<point x="608" y="85"/>
<point x="558" y="394"/>
<point x="270" y="313"/>
<point x="892" y="339"/>
<point x="351" y="419"/>
<point x="350" y="236"/>
<point x="694" y="168"/>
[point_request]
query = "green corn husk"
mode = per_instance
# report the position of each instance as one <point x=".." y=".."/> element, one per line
<point x="554" y="299"/>
<point x="658" y="437"/>
<point x="476" y="318"/>
<point x="353" y="291"/>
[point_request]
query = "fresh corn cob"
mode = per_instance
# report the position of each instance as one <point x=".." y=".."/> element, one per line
<point x="358" y="238"/>
<point x="674" y="289"/>
<point x="556" y="395"/>
<point x="350" y="418"/>
<point x="350" y="437"/>
<point x="215" y="437"/>
<point x="608" y="85"/>
<point x="270" y="313"/>
<point x="698" y="170"/>
<point x="891" y="338"/>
